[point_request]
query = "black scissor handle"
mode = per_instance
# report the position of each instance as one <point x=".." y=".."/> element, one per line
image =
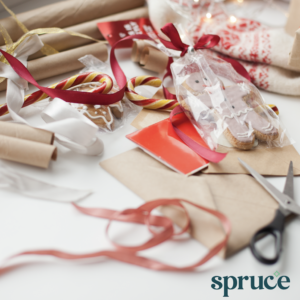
<point x="275" y="228"/>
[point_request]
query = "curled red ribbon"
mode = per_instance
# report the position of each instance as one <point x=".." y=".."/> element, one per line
<point x="140" y="215"/>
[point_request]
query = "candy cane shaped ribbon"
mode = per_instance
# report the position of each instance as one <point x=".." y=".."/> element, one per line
<point x="105" y="81"/>
<point x="134" y="97"/>
<point x="140" y="215"/>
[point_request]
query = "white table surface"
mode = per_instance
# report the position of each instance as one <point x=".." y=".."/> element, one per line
<point x="36" y="224"/>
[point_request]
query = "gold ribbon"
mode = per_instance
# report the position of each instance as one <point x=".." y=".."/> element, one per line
<point x="46" y="50"/>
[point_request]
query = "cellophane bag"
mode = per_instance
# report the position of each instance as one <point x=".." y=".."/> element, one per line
<point x="223" y="106"/>
<point x="109" y="118"/>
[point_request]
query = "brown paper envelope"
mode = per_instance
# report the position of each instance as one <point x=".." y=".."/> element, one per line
<point x="267" y="161"/>
<point x="151" y="180"/>
<point x="148" y="117"/>
<point x="26" y="132"/>
<point x="245" y="202"/>
<point x="247" y="205"/>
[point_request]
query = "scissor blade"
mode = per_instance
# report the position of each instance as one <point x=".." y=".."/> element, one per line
<point x="289" y="183"/>
<point x="279" y="197"/>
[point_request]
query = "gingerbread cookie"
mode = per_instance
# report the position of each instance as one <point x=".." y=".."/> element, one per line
<point x="241" y="123"/>
<point x="102" y="115"/>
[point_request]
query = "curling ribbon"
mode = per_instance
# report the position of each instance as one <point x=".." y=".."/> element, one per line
<point x="140" y="215"/>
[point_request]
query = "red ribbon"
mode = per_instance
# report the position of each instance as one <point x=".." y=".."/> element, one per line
<point x="205" y="42"/>
<point x="206" y="153"/>
<point x="169" y="29"/>
<point x="140" y="215"/>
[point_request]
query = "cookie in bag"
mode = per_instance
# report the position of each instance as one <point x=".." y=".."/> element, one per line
<point x="217" y="107"/>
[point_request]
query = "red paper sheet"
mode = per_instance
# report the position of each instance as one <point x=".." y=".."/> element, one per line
<point x="160" y="141"/>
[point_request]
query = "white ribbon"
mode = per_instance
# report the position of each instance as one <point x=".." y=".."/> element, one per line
<point x="71" y="128"/>
<point x="31" y="187"/>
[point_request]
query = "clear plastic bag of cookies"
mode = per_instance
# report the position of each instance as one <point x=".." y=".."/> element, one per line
<point x="224" y="107"/>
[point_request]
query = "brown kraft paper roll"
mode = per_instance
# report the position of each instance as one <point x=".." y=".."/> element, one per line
<point x="65" y="41"/>
<point x="63" y="62"/>
<point x="26" y="152"/>
<point x="66" y="13"/>
<point x="25" y="132"/>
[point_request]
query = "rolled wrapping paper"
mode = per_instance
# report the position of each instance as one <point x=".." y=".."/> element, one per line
<point x="66" y="13"/>
<point x="62" y="62"/>
<point x="26" y="152"/>
<point x="294" y="59"/>
<point x="24" y="132"/>
<point x="64" y="41"/>
<point x="149" y="57"/>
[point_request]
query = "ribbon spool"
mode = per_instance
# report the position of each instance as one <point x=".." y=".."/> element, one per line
<point x="104" y="80"/>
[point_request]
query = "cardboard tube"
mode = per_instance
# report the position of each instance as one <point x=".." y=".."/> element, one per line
<point x="25" y="132"/>
<point x="65" y="41"/>
<point x="137" y="49"/>
<point x="66" y="13"/>
<point x="26" y="152"/>
<point x="153" y="59"/>
<point x="62" y="62"/>
<point x="149" y="57"/>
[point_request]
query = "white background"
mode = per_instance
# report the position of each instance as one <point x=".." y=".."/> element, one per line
<point x="27" y="224"/>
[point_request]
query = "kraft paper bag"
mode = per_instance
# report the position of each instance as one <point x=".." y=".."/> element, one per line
<point x="247" y="205"/>
<point x="267" y="161"/>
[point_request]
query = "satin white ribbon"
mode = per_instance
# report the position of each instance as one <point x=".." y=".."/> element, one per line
<point x="11" y="180"/>
<point x="71" y="128"/>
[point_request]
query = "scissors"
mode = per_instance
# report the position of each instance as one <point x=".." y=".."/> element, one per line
<point x="287" y="206"/>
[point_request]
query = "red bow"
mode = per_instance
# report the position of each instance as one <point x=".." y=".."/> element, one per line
<point x="205" y="42"/>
